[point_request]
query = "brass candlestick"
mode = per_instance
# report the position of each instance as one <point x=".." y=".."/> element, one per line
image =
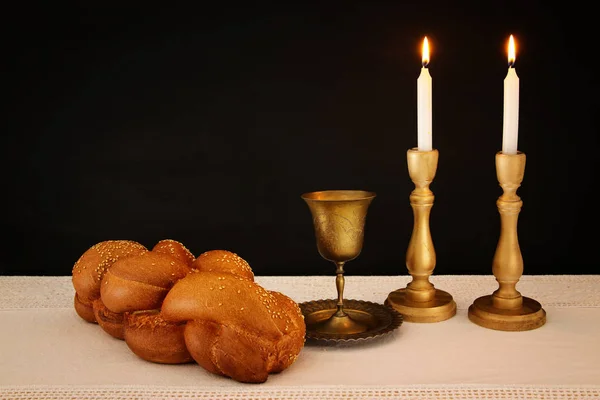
<point x="420" y="301"/>
<point x="506" y="309"/>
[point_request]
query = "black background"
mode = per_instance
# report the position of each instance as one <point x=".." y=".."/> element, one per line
<point x="205" y="124"/>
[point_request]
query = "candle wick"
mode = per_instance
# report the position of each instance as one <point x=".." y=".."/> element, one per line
<point x="425" y="64"/>
<point x="511" y="63"/>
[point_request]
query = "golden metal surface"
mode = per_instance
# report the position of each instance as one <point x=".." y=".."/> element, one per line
<point x="378" y="319"/>
<point x="339" y="220"/>
<point x="440" y="308"/>
<point x="420" y="301"/>
<point x="506" y="309"/>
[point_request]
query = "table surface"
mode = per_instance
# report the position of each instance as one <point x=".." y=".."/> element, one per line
<point x="48" y="352"/>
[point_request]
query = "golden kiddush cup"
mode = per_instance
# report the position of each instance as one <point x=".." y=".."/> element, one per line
<point x="339" y="220"/>
<point x="420" y="301"/>
<point x="506" y="309"/>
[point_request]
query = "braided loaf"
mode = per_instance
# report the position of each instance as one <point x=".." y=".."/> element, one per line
<point x="235" y="327"/>
<point x="170" y="307"/>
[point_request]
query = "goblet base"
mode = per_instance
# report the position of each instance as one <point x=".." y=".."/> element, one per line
<point x="529" y="316"/>
<point x="343" y="325"/>
<point x="441" y="308"/>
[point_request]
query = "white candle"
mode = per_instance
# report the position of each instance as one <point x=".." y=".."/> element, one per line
<point x="510" y="131"/>
<point x="424" y="103"/>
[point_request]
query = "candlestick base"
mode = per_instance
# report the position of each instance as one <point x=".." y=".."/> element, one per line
<point x="441" y="308"/>
<point x="529" y="316"/>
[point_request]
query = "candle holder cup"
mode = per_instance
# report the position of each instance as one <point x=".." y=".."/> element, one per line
<point x="506" y="309"/>
<point x="420" y="301"/>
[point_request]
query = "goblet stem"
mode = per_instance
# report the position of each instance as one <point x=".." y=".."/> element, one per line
<point x="339" y="284"/>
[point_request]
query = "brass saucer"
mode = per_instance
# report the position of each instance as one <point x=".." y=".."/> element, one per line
<point x="378" y="319"/>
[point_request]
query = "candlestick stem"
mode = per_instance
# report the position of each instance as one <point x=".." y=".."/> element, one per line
<point x="506" y="309"/>
<point x="420" y="301"/>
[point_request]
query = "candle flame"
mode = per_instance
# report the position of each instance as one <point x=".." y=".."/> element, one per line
<point x="511" y="51"/>
<point x="425" y="58"/>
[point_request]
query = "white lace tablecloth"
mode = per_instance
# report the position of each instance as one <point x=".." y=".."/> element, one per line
<point x="48" y="352"/>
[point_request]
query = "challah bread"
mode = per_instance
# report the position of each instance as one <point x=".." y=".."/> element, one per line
<point x="140" y="282"/>
<point x="174" y="249"/>
<point x="152" y="338"/>
<point x="225" y="261"/>
<point x="84" y="309"/>
<point x="110" y="322"/>
<point x="235" y="327"/>
<point x="90" y="268"/>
